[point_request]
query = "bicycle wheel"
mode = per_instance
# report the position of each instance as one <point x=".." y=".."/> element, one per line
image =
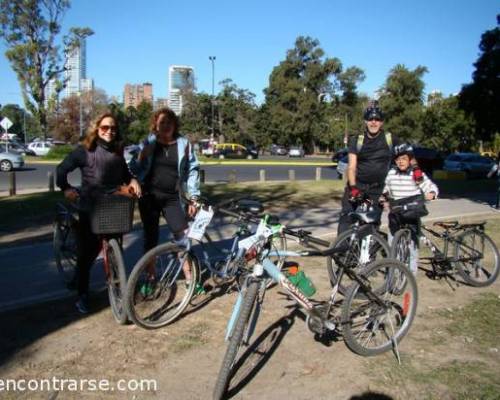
<point x="400" y="250"/>
<point x="117" y="281"/>
<point x="157" y="290"/>
<point x="354" y="242"/>
<point x="378" y="320"/>
<point x="64" y="245"/>
<point x="476" y="258"/>
<point x="236" y="339"/>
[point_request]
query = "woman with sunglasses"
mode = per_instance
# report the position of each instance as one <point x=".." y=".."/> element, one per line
<point x="168" y="170"/>
<point x="103" y="168"/>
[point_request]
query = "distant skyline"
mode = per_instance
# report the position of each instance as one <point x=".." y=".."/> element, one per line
<point x="136" y="42"/>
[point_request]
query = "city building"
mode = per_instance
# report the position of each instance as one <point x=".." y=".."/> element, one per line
<point x="160" y="102"/>
<point x="76" y="71"/>
<point x="180" y="80"/>
<point x="133" y="95"/>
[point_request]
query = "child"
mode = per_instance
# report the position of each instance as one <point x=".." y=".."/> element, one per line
<point x="407" y="183"/>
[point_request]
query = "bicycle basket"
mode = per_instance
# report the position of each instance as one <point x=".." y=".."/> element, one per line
<point x="111" y="214"/>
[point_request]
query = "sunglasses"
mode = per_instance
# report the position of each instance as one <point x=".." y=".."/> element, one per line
<point x="375" y="119"/>
<point x="106" y="128"/>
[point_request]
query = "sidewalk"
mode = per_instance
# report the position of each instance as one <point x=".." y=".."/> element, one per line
<point x="29" y="273"/>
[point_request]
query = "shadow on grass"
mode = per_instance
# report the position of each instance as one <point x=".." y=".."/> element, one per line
<point x="258" y="353"/>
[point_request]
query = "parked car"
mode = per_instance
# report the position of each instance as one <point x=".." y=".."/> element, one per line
<point x="40" y="148"/>
<point x="337" y="155"/>
<point x="473" y="164"/>
<point x="428" y="159"/>
<point x="296" y="151"/>
<point x="10" y="159"/>
<point x="342" y="166"/>
<point x="19" y="148"/>
<point x="278" y="150"/>
<point x="234" y="150"/>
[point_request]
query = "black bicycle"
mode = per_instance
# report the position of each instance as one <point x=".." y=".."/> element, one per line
<point x="466" y="250"/>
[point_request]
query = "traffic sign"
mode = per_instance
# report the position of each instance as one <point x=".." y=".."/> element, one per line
<point x="6" y="124"/>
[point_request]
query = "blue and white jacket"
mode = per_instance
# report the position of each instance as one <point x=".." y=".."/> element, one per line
<point x="188" y="166"/>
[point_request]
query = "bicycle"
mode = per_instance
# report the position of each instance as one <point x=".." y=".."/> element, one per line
<point x="363" y="243"/>
<point x="159" y="289"/>
<point x="373" y="317"/>
<point x="111" y="215"/>
<point x="475" y="256"/>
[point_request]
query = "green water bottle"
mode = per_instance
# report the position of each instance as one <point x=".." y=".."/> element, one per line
<point x="301" y="281"/>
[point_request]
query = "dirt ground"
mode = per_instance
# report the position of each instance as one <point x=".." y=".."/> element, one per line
<point x="52" y="340"/>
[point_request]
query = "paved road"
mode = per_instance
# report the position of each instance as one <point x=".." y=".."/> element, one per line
<point x="35" y="176"/>
<point x="29" y="273"/>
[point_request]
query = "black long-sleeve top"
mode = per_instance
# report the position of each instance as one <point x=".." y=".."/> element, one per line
<point x="102" y="169"/>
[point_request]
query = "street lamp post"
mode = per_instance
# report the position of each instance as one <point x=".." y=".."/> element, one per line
<point x="212" y="59"/>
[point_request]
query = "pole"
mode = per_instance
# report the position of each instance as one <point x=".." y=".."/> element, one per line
<point x="24" y="127"/>
<point x="212" y="59"/>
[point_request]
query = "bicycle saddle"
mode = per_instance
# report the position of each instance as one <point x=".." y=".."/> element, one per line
<point x="250" y="206"/>
<point x="446" y="224"/>
<point x="368" y="217"/>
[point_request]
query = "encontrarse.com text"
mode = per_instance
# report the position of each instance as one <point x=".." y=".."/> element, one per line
<point x="77" y="385"/>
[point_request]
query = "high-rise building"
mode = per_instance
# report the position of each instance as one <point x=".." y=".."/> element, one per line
<point x="133" y="95"/>
<point x="76" y="70"/>
<point x="180" y="80"/>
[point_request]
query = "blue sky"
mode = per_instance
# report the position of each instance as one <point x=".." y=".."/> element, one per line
<point x="135" y="41"/>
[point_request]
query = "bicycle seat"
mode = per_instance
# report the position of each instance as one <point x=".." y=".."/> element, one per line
<point x="446" y="224"/>
<point x="367" y="217"/>
<point x="250" y="206"/>
<point x="472" y="225"/>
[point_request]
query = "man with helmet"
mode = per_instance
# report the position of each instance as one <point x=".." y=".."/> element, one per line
<point x="406" y="187"/>
<point x="369" y="160"/>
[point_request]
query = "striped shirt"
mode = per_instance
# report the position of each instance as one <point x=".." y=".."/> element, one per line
<point x="399" y="185"/>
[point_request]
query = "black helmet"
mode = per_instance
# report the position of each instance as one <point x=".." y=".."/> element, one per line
<point x="402" y="149"/>
<point x="373" y="111"/>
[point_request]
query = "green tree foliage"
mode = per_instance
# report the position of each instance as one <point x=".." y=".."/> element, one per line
<point x="20" y="119"/>
<point x="445" y="126"/>
<point x="236" y="112"/>
<point x="29" y="29"/>
<point x="196" y="115"/>
<point x="402" y="101"/>
<point x="481" y="98"/>
<point x="139" y="122"/>
<point x="293" y="97"/>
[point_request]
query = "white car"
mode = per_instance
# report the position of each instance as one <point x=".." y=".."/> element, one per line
<point x="40" y="148"/>
<point x="342" y="166"/>
<point x="296" y="152"/>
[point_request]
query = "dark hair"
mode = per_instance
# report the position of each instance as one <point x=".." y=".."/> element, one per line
<point x="89" y="141"/>
<point x="170" y="115"/>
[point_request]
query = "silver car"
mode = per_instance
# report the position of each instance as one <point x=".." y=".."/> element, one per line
<point x="10" y="159"/>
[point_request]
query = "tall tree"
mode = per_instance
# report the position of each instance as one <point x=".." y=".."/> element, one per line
<point x="293" y="97"/>
<point x="29" y="29"/>
<point x="196" y="114"/>
<point x="236" y="113"/>
<point x="402" y="101"/>
<point x="445" y="126"/>
<point x="481" y="98"/>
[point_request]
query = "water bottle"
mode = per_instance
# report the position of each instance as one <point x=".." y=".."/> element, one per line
<point x="301" y="281"/>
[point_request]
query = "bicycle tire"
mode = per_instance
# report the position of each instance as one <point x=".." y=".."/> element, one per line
<point x="235" y="340"/>
<point x="117" y="281"/>
<point x="64" y="245"/>
<point x="157" y="290"/>
<point x="364" y="315"/>
<point x="351" y="257"/>
<point x="472" y="272"/>
<point x="400" y="250"/>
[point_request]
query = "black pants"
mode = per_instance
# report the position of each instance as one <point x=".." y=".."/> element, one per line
<point x="396" y="221"/>
<point x="88" y="248"/>
<point x="150" y="207"/>
<point x="373" y="190"/>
